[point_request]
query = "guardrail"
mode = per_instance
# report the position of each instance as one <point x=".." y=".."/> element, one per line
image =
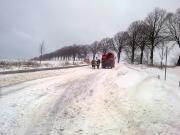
<point x="39" y="69"/>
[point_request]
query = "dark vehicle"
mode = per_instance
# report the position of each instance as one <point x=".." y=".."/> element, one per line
<point x="108" y="60"/>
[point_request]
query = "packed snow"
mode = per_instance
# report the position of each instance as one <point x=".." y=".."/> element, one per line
<point x="126" y="100"/>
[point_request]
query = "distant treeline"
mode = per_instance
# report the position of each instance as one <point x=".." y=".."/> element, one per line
<point x="138" y="42"/>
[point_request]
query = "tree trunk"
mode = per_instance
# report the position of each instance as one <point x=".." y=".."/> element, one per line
<point x="94" y="56"/>
<point x="119" y="54"/>
<point x="162" y="55"/>
<point x="132" y="56"/>
<point x="178" y="63"/>
<point x="152" y="55"/>
<point x="142" y="54"/>
<point x="40" y="59"/>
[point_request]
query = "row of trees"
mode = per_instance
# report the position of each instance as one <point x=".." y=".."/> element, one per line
<point x="66" y="53"/>
<point x="158" y="28"/>
<point x="142" y="37"/>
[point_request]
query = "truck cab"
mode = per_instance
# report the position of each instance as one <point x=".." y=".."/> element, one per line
<point x="108" y="60"/>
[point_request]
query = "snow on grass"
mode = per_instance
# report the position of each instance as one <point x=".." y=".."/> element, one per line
<point x="155" y="103"/>
<point x="11" y="65"/>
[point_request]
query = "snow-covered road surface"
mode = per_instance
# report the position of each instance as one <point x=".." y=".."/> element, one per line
<point x="127" y="100"/>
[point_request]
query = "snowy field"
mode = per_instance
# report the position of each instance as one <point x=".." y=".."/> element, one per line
<point x="127" y="100"/>
<point x="15" y="65"/>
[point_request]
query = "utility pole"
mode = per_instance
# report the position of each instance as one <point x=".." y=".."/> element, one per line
<point x="166" y="63"/>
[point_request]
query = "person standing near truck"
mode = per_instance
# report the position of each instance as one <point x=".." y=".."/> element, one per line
<point x="93" y="63"/>
<point x="98" y="63"/>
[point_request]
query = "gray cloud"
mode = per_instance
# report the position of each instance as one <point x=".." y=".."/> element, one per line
<point x="25" y="23"/>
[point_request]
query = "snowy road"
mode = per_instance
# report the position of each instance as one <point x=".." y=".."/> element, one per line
<point x="122" y="101"/>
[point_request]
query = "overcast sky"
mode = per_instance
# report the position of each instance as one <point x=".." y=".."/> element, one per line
<point x="25" y="23"/>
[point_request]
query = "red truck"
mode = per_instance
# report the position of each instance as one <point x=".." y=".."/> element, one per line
<point x="108" y="60"/>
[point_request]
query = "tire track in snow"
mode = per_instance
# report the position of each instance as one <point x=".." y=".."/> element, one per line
<point x="72" y="91"/>
<point x="17" y="115"/>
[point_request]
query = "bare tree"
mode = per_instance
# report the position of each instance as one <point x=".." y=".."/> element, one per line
<point x="84" y="50"/>
<point x="74" y="51"/>
<point x="94" y="48"/>
<point x="120" y="40"/>
<point x="156" y="29"/>
<point x="147" y="53"/>
<point x="142" y="38"/>
<point x="42" y="50"/>
<point x="162" y="50"/>
<point x="133" y="38"/>
<point x="173" y="26"/>
<point x="106" y="44"/>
